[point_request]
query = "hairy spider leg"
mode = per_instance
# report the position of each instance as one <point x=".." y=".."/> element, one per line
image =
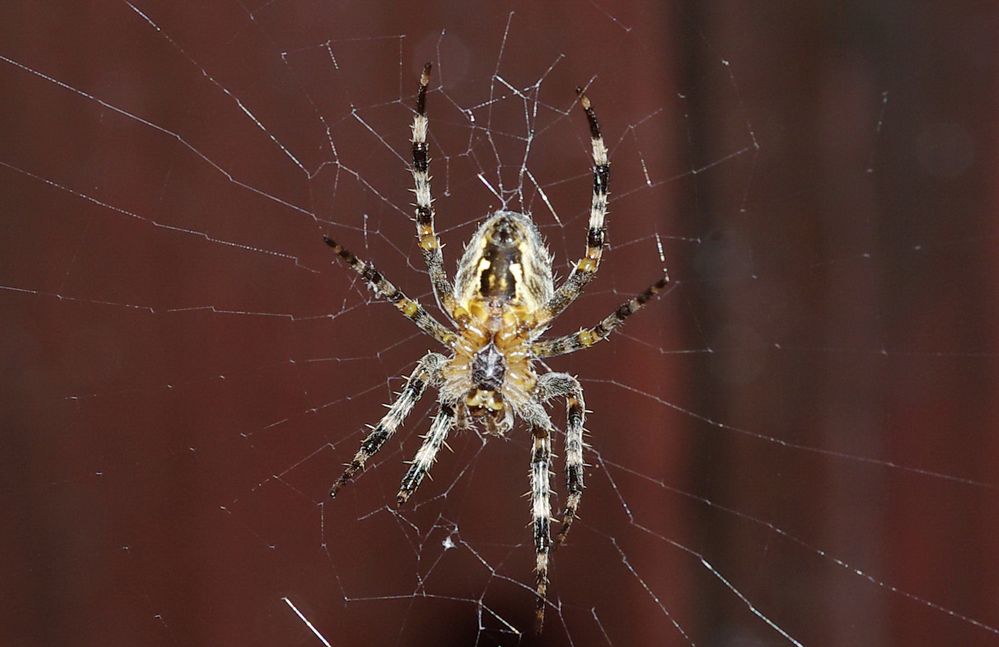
<point x="563" y="385"/>
<point x="410" y="308"/>
<point x="430" y="244"/>
<point x="586" y="267"/>
<point x="588" y="336"/>
<point x="427" y="453"/>
<point x="427" y="373"/>
<point x="541" y="456"/>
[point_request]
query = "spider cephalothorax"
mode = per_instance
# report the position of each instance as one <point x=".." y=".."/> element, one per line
<point x="502" y="301"/>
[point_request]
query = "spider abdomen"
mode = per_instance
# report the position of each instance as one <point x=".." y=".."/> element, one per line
<point x="505" y="262"/>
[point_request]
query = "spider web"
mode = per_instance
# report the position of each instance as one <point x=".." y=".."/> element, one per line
<point x="791" y="446"/>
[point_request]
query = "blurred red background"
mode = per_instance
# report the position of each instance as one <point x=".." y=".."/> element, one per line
<point x="186" y="371"/>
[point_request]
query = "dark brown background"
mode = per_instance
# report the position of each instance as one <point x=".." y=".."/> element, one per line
<point x="185" y="371"/>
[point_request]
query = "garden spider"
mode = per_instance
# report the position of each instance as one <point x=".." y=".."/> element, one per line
<point x="502" y="301"/>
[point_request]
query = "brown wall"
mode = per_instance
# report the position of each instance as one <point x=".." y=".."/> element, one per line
<point x="186" y="371"/>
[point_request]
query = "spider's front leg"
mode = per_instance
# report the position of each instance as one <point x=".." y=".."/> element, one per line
<point x="427" y="453"/>
<point x="427" y="373"/>
<point x="429" y="243"/>
<point x="541" y="509"/>
<point x="556" y="385"/>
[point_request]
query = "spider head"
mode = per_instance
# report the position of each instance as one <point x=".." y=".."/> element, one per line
<point x="484" y="400"/>
<point x="489" y="408"/>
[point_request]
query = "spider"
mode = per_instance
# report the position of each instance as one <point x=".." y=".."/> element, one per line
<point x="502" y="300"/>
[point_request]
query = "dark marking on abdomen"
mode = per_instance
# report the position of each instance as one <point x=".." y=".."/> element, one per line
<point x="502" y="250"/>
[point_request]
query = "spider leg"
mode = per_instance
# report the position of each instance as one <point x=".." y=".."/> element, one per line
<point x="427" y="373"/>
<point x="429" y="243"/>
<point x="588" y="336"/>
<point x="541" y="514"/>
<point x="427" y="453"/>
<point x="587" y="266"/>
<point x="410" y="308"/>
<point x="553" y="385"/>
<point x="542" y="431"/>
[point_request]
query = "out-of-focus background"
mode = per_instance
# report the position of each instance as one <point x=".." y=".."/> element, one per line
<point x="796" y="443"/>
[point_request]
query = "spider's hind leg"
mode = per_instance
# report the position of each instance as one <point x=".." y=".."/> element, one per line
<point x="430" y="244"/>
<point x="427" y="373"/>
<point x="586" y="267"/>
